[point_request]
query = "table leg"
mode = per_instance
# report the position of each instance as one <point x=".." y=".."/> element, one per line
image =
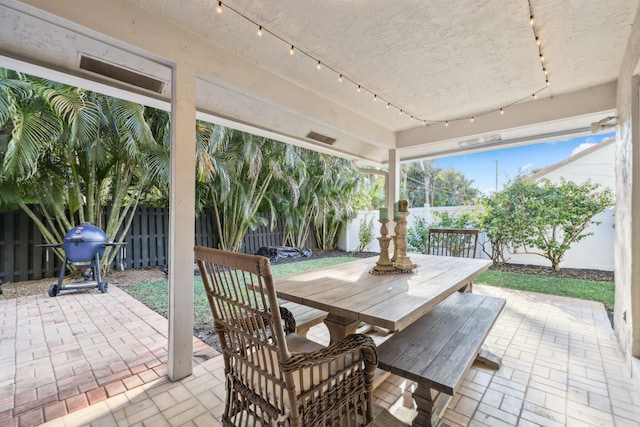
<point x="339" y="327"/>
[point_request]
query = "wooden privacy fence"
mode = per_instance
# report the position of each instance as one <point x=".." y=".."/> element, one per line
<point x="147" y="243"/>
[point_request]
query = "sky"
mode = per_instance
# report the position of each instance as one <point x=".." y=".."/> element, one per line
<point x="481" y="167"/>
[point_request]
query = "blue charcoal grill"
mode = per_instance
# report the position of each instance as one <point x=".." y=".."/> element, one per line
<point x="84" y="246"/>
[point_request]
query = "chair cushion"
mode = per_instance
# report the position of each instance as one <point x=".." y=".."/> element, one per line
<point x="296" y="344"/>
<point x="299" y="344"/>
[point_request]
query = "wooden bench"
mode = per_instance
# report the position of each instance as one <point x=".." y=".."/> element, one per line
<point x="306" y="317"/>
<point x="438" y="349"/>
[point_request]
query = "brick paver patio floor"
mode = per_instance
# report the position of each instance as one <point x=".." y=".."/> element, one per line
<point x="100" y="360"/>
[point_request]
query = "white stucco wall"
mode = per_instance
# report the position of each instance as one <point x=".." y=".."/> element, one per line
<point x="627" y="248"/>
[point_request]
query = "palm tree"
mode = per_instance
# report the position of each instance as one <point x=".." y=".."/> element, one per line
<point x="250" y="164"/>
<point x="67" y="153"/>
<point x="326" y="187"/>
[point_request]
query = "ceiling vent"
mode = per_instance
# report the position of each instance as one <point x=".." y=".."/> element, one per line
<point x="121" y="74"/>
<point x="321" y="138"/>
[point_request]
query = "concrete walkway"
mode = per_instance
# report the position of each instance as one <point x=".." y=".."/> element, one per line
<point x="99" y="359"/>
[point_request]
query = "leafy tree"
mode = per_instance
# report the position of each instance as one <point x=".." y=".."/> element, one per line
<point x="325" y="188"/>
<point x="425" y="180"/>
<point x="250" y="164"/>
<point x="366" y="232"/>
<point x="340" y="183"/>
<point x="542" y="215"/>
<point x="418" y="235"/>
<point x="67" y="153"/>
<point x="499" y="219"/>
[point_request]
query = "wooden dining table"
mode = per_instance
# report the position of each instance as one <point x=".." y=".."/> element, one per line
<point x="352" y="294"/>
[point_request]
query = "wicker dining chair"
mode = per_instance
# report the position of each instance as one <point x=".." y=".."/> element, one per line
<point x="456" y="242"/>
<point x="273" y="378"/>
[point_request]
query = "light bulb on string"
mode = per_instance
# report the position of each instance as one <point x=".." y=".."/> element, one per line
<point x="260" y="33"/>
<point x="534" y="96"/>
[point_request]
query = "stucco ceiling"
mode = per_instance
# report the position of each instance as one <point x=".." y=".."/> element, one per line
<point x="436" y="61"/>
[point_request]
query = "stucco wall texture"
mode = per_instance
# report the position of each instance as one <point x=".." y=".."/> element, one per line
<point x="627" y="248"/>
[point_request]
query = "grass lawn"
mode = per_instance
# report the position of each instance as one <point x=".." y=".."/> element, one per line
<point x="584" y="289"/>
<point x="154" y="294"/>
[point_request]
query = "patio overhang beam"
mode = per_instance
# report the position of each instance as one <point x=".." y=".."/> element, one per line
<point x="561" y="116"/>
<point x="229" y="87"/>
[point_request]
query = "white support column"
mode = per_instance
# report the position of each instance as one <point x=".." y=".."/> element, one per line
<point x="181" y="221"/>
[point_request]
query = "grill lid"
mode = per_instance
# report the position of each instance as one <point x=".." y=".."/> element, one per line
<point x="85" y="232"/>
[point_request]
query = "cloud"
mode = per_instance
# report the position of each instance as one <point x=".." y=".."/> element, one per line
<point x="582" y="147"/>
<point x="527" y="166"/>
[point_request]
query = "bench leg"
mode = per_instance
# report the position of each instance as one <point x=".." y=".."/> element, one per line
<point x="339" y="327"/>
<point x="427" y="402"/>
<point x="488" y="359"/>
<point x="467" y="289"/>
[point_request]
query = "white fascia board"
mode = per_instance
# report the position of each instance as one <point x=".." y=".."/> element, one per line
<point x="561" y="116"/>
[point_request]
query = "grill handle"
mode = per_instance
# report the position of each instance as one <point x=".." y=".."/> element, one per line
<point x="75" y="239"/>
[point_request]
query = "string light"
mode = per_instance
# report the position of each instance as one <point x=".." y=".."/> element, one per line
<point x="359" y="87"/>
<point x="539" y="45"/>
